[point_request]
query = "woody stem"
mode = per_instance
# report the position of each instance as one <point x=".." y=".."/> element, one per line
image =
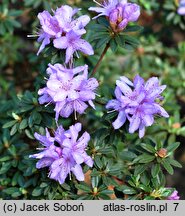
<point x="100" y="59"/>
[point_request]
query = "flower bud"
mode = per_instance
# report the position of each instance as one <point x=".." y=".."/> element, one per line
<point x="121" y="15"/>
<point x="162" y="153"/>
<point x="113" y="19"/>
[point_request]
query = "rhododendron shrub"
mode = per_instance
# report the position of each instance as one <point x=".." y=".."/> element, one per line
<point x="94" y="135"/>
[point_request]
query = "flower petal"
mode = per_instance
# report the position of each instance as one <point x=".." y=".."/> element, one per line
<point x="131" y="12"/>
<point x="113" y="104"/>
<point x="80" y="106"/>
<point x="54" y="84"/>
<point x="69" y="54"/>
<point x="90" y="84"/>
<point x="78" y="24"/>
<point x="45" y="41"/>
<point x="138" y="83"/>
<point x="84" y="47"/>
<point x="88" y="160"/>
<point x="58" y="107"/>
<point x="44" y="162"/>
<point x="73" y="95"/>
<point x="86" y="95"/>
<point x="77" y="155"/>
<point x="134" y="123"/>
<point x="120" y="120"/>
<point x="141" y="130"/>
<point x="161" y="111"/>
<point x="67" y="143"/>
<point x="60" y="96"/>
<point x="83" y="140"/>
<point x="148" y="120"/>
<point x="67" y="110"/>
<point x="124" y="87"/>
<point x="78" y="172"/>
<point x="61" y="43"/>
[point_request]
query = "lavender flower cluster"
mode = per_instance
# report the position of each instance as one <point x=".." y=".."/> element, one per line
<point x="64" y="31"/>
<point x="118" y="12"/>
<point x="64" y="153"/>
<point x="137" y="102"/>
<point x="68" y="89"/>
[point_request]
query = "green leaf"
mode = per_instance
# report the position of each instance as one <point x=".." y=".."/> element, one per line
<point x="95" y="181"/>
<point x="5" y="167"/>
<point x="11" y="190"/>
<point x="9" y="124"/>
<point x="5" y="158"/>
<point x="103" y="21"/>
<point x="140" y="169"/>
<point x="103" y="196"/>
<point x="12" y="150"/>
<point x="16" y="194"/>
<point x="167" y="166"/>
<point x="14" y="129"/>
<point x="109" y="116"/>
<point x="148" y="148"/>
<point x="15" y="12"/>
<point x="166" y="192"/>
<point x="146" y="158"/>
<point x="97" y="27"/>
<point x="95" y="173"/>
<point x="131" y="40"/>
<point x="145" y="178"/>
<point x="66" y="186"/>
<point x="120" y="40"/>
<point x="15" y="178"/>
<point x="29" y="134"/>
<point x="43" y="185"/>
<point x="128" y="190"/>
<point x="174" y="163"/>
<point x="129" y="47"/>
<point x="144" y="188"/>
<point x="155" y="170"/>
<point x="26" y="108"/>
<point x="98" y="162"/>
<point x="37" y="191"/>
<point x="127" y="155"/>
<point x="84" y="187"/>
<point x="86" y="197"/>
<point x="23" y="124"/>
<point x="15" y="23"/>
<point x="102" y="42"/>
<point x="113" y="45"/>
<point x="173" y="146"/>
<point x="149" y="198"/>
<point x="99" y="35"/>
<point x="133" y="28"/>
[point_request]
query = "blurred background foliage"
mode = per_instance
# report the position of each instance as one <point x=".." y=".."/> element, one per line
<point x="123" y="167"/>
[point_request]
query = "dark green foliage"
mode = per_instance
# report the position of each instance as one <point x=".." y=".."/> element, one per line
<point x="125" y="167"/>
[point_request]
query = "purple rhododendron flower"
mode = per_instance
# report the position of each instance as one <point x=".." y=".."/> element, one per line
<point x="137" y="102"/>
<point x="181" y="9"/>
<point x="67" y="156"/>
<point x="72" y="42"/>
<point x="174" y="196"/>
<point x="119" y="13"/>
<point x="64" y="31"/>
<point x="68" y="90"/>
